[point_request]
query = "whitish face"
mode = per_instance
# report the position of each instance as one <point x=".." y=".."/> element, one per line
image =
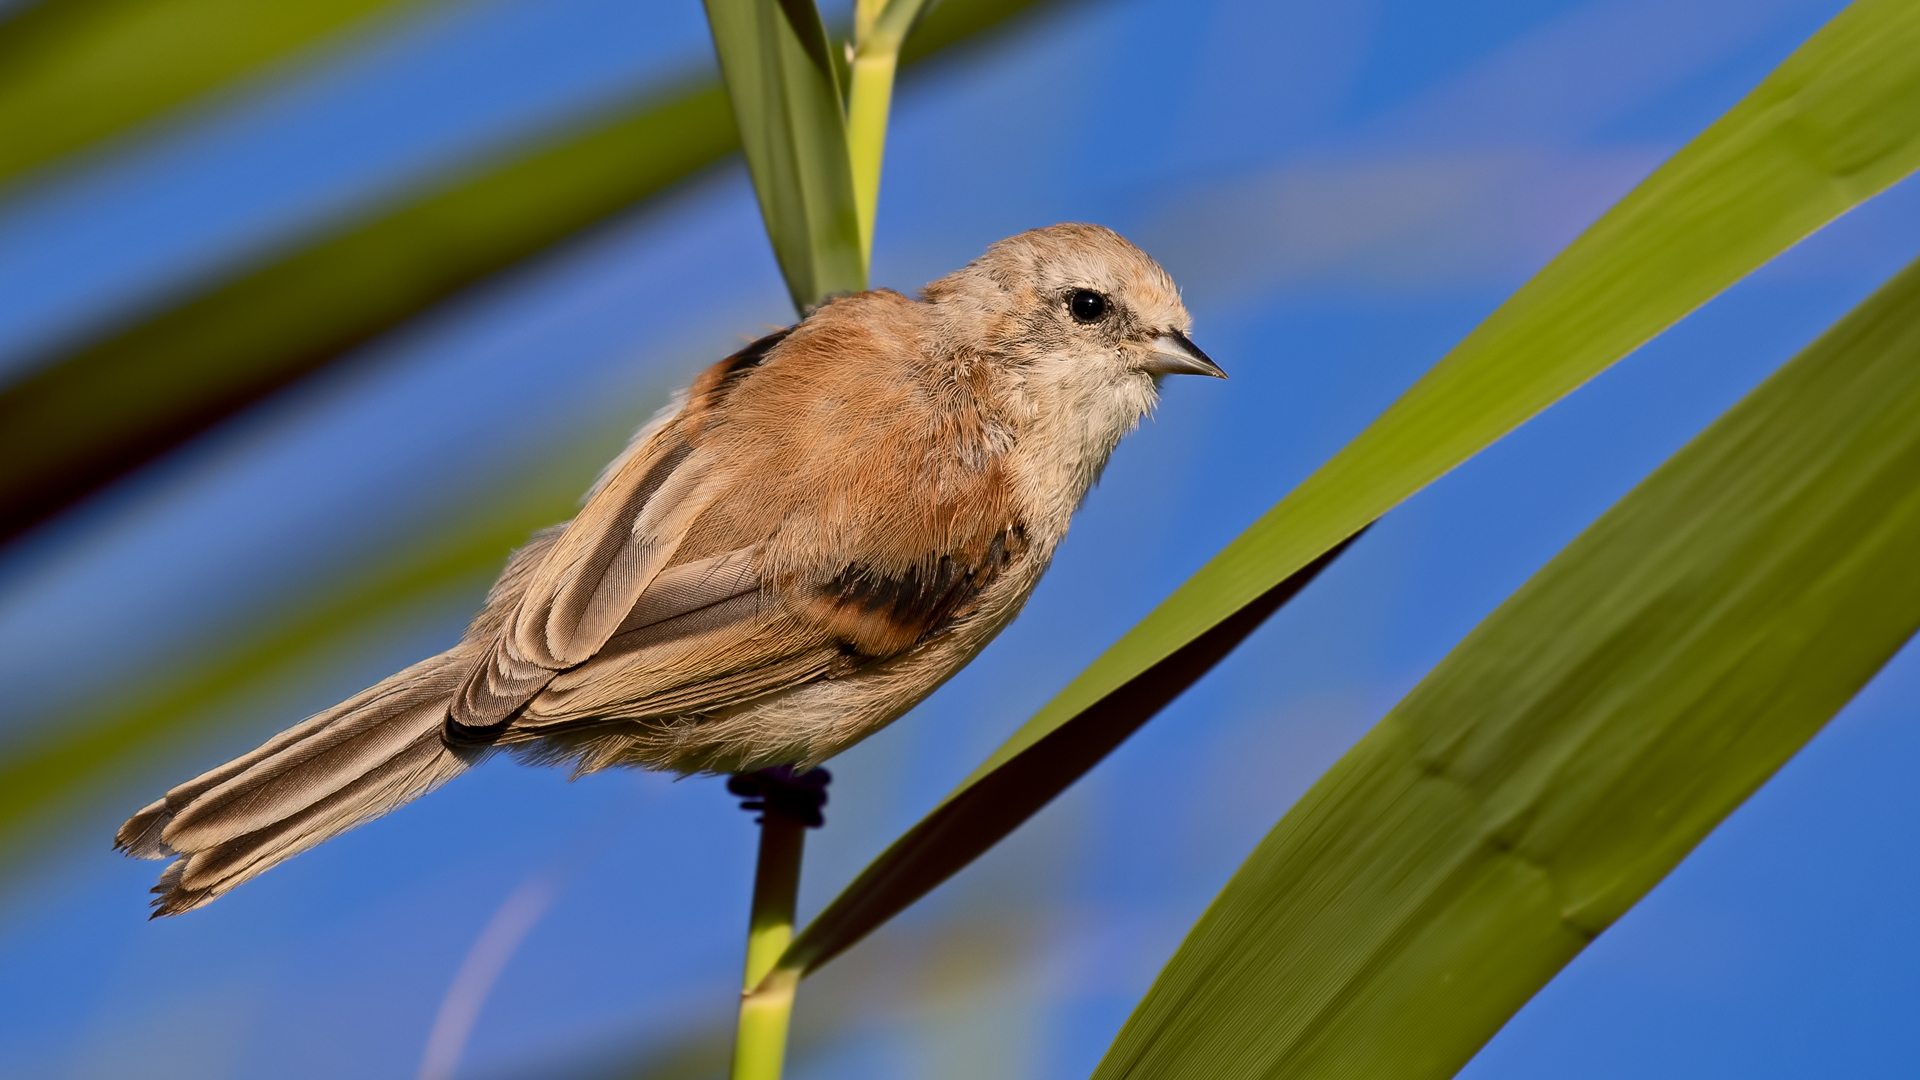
<point x="1089" y="324"/>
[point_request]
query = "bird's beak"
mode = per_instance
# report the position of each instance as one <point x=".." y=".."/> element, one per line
<point x="1173" y="354"/>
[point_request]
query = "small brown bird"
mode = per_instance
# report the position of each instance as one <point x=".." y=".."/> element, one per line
<point x="824" y="528"/>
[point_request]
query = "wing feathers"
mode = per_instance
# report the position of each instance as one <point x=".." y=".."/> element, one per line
<point x="820" y="502"/>
<point x="498" y="684"/>
<point x="693" y="585"/>
<point x="588" y="584"/>
<point x="702" y="643"/>
<point x="623" y="552"/>
<point x="600" y="700"/>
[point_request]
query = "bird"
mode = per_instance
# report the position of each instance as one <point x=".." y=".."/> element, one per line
<point x="805" y="543"/>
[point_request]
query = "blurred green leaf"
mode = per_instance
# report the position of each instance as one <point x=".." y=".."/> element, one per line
<point x="700" y="1054"/>
<point x="69" y="427"/>
<point x="75" y="71"/>
<point x="783" y="82"/>
<point x="97" y="749"/>
<point x="1837" y="122"/>
<point x="79" y="422"/>
<point x="925" y="970"/>
<point x="880" y="27"/>
<point x="1566" y="756"/>
<point x="72" y="755"/>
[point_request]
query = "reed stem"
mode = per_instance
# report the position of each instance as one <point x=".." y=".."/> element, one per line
<point x="789" y="804"/>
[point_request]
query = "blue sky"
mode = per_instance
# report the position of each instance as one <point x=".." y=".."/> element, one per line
<point x="1343" y="191"/>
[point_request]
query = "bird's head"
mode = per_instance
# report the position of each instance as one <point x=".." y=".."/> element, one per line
<point x="1080" y="324"/>
<point x="1079" y="293"/>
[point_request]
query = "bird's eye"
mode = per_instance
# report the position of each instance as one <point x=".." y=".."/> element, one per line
<point x="1087" y="306"/>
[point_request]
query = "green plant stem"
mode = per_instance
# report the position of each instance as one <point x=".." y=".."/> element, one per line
<point x="880" y="27"/>
<point x="869" y="99"/>
<point x="766" y="1004"/>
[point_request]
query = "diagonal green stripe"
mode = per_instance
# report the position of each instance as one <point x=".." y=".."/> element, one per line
<point x="70" y="426"/>
<point x="80" y="752"/>
<point x="76" y="71"/>
<point x="1567" y="754"/>
<point x="1837" y="122"/>
<point x="78" y="423"/>
<point x="786" y="98"/>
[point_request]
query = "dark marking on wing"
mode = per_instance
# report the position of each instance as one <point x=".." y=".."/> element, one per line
<point x="657" y="474"/>
<point x="924" y="599"/>
<point x="753" y="355"/>
<point x="715" y="383"/>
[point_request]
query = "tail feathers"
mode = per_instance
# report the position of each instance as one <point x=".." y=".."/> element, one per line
<point x="346" y="766"/>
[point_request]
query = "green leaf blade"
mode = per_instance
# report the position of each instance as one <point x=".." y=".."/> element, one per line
<point x="77" y="422"/>
<point x="76" y="71"/>
<point x="70" y="427"/>
<point x="1838" y="121"/>
<point x="978" y="816"/>
<point x="781" y="79"/>
<point x="105" y="745"/>
<point x="1559" y="762"/>
<point x="343" y="289"/>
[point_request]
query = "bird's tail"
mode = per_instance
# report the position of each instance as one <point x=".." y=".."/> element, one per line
<point x="345" y="766"/>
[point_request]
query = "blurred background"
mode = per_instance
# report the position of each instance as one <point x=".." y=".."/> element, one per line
<point x="1342" y="189"/>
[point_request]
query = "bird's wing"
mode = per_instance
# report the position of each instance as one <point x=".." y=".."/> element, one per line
<point x="772" y="532"/>
<point x="672" y="658"/>
<point x="596" y="572"/>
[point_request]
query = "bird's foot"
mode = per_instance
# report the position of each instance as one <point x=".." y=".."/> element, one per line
<point x="797" y="795"/>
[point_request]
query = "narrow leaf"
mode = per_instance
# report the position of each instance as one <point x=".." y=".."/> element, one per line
<point x="880" y="27"/>
<point x="85" y="752"/>
<point x="1567" y="754"/>
<point x="976" y="818"/>
<point x="782" y="80"/>
<point x="68" y="428"/>
<point x="81" y="753"/>
<point x="81" y="421"/>
<point x="1837" y="122"/>
<point x="76" y="71"/>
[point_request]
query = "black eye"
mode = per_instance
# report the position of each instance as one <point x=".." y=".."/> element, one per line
<point x="1087" y="305"/>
